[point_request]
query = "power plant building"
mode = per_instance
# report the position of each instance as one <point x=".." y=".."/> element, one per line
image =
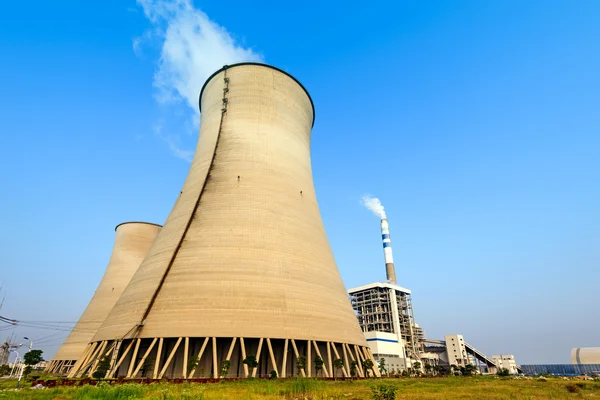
<point x="132" y="241"/>
<point x="242" y="267"/>
<point x="385" y="315"/>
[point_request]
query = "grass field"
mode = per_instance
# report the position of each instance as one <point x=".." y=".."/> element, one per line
<point x="308" y="389"/>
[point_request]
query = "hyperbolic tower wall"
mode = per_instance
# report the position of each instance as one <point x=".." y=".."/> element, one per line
<point x="132" y="241"/>
<point x="243" y="265"/>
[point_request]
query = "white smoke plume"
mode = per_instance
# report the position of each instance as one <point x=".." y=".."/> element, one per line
<point x="373" y="204"/>
<point x="192" y="47"/>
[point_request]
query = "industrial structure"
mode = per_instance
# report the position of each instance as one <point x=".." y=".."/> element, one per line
<point x="242" y="269"/>
<point x="507" y="362"/>
<point x="386" y="317"/>
<point x="385" y="314"/>
<point x="132" y="241"/>
<point x="6" y="348"/>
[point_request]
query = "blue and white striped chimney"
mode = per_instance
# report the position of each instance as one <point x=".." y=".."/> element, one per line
<point x="387" y="251"/>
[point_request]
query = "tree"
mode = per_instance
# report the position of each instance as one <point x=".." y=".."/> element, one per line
<point x="251" y="362"/>
<point x="318" y="364"/>
<point x="4" y="369"/>
<point x="338" y="364"/>
<point x="454" y="370"/>
<point x="102" y="368"/>
<point x="382" y="368"/>
<point x="273" y="375"/>
<point x="367" y="366"/>
<point x="503" y="372"/>
<point x="225" y="365"/>
<point x="417" y="368"/>
<point x="427" y="368"/>
<point x="353" y="365"/>
<point x="31" y="358"/>
<point x="468" y="370"/>
<point x="301" y="363"/>
<point x="147" y="366"/>
<point x="383" y="392"/>
<point x="192" y="364"/>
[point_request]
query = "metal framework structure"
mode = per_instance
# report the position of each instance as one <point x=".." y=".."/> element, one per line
<point x="376" y="306"/>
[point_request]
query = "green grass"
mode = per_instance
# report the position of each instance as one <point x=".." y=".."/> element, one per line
<point x="310" y="389"/>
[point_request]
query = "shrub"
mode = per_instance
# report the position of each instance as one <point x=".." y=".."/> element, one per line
<point x="318" y="364"/>
<point x="4" y="370"/>
<point x="225" y="365"/>
<point x="338" y="364"/>
<point x="301" y="363"/>
<point x="147" y="366"/>
<point x="192" y="364"/>
<point x="353" y="365"/>
<point x="382" y="367"/>
<point x="367" y="366"/>
<point x="571" y="388"/>
<point x="383" y="392"/>
<point x="102" y="368"/>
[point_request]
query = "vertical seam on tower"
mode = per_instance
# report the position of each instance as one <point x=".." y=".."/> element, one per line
<point x="189" y="223"/>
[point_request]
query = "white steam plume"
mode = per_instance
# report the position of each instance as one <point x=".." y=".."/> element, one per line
<point x="373" y="204"/>
<point x="192" y="47"/>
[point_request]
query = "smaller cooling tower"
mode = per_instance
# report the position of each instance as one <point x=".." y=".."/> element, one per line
<point x="132" y="241"/>
<point x="585" y="355"/>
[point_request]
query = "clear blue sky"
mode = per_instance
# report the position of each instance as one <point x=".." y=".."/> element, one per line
<point x="477" y="124"/>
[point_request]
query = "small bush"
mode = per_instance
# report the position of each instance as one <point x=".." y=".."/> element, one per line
<point x="383" y="392"/>
<point x="102" y="369"/>
<point x="571" y="388"/>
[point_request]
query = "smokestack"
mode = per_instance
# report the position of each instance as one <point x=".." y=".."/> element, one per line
<point x="387" y="251"/>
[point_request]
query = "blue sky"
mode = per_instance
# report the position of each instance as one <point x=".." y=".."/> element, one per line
<point x="476" y="124"/>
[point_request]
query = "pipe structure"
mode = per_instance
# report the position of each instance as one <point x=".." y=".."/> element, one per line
<point x="387" y="251"/>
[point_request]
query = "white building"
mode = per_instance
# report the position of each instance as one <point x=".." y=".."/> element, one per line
<point x="384" y="312"/>
<point x="506" y="361"/>
<point x="456" y="350"/>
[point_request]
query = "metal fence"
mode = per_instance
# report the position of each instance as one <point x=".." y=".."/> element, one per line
<point x="561" y="369"/>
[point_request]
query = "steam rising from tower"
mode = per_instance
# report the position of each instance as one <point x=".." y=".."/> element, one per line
<point x="373" y="204"/>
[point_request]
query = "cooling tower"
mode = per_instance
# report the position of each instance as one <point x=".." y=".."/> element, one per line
<point x="242" y="267"/>
<point x="586" y="355"/>
<point x="132" y="241"/>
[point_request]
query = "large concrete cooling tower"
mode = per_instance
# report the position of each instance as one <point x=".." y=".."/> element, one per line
<point x="242" y="267"/>
<point x="132" y="241"/>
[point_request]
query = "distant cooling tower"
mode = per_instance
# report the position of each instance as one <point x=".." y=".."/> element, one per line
<point x="585" y="355"/>
<point x="242" y="266"/>
<point x="132" y="241"/>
